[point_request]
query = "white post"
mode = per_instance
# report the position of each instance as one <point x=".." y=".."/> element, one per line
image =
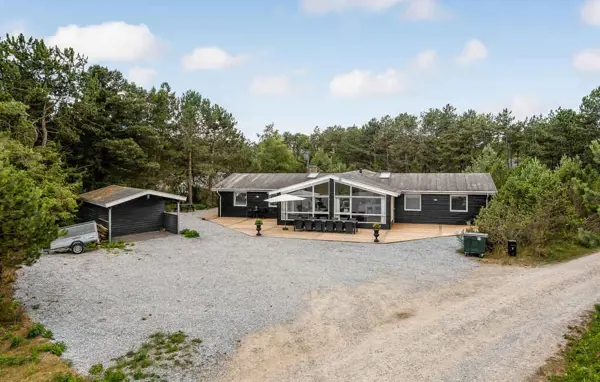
<point x="178" y="217"/>
<point x="110" y="224"/>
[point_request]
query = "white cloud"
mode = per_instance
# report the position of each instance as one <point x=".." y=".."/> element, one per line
<point x="426" y="59"/>
<point x="590" y="12"/>
<point x="362" y="83"/>
<point x="523" y="105"/>
<point x="144" y="77"/>
<point x="329" y="6"/>
<point x="474" y="50"/>
<point x="587" y="60"/>
<point x="271" y="86"/>
<point x="110" y="41"/>
<point x="210" y="58"/>
<point x="419" y="10"/>
<point x="15" y="27"/>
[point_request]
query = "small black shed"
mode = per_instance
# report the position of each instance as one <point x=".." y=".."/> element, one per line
<point x="127" y="210"/>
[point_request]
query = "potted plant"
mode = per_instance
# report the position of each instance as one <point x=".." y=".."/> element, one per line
<point x="376" y="228"/>
<point x="259" y="224"/>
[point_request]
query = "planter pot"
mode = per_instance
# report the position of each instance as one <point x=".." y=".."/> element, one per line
<point x="258" y="227"/>
<point x="376" y="235"/>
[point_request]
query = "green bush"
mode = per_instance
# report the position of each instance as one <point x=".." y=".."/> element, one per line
<point x="587" y="239"/>
<point x="96" y="369"/>
<point x="39" y="330"/>
<point x="190" y="233"/>
<point x="258" y="222"/>
<point x="376" y="226"/>
<point x="533" y="208"/>
<point x="56" y="348"/>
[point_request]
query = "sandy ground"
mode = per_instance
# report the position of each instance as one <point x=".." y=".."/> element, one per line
<point x="496" y="324"/>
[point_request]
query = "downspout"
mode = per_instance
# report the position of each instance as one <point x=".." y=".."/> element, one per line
<point x="109" y="224"/>
<point x="220" y="198"/>
<point x="178" y="217"/>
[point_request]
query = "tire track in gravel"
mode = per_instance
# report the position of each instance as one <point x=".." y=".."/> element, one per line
<point x="495" y="324"/>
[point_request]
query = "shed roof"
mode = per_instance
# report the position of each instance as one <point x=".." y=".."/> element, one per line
<point x="468" y="183"/>
<point x="113" y="195"/>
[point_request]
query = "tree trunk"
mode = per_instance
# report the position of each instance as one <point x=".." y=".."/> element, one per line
<point x="44" y="129"/>
<point x="190" y="179"/>
<point x="44" y="132"/>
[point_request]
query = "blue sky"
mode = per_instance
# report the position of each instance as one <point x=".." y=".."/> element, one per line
<point x="307" y="63"/>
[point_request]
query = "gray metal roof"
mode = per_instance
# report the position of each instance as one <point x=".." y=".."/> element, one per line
<point x="397" y="182"/>
<point x="112" y="195"/>
<point x="262" y="181"/>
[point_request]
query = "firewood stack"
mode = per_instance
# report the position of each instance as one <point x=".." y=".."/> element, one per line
<point x="102" y="232"/>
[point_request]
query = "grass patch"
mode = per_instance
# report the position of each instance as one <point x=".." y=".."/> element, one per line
<point x="147" y="361"/>
<point x="190" y="233"/>
<point x="528" y="257"/>
<point x="26" y="354"/>
<point x="580" y="360"/>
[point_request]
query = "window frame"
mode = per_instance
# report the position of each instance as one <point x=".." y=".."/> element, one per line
<point x="235" y="193"/>
<point x="420" y="202"/>
<point x="466" y="203"/>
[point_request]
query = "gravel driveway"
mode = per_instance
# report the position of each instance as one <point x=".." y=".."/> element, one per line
<point x="219" y="288"/>
<point x="281" y="309"/>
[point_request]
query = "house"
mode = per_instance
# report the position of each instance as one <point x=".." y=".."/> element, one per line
<point x="367" y="196"/>
<point x="127" y="210"/>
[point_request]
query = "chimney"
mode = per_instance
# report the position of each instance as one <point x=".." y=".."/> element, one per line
<point x="312" y="168"/>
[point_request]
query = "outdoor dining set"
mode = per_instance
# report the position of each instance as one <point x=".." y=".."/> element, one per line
<point x="326" y="225"/>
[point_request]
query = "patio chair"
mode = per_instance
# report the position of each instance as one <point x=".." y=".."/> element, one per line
<point x="329" y="226"/>
<point x="349" y="226"/>
<point x="339" y="226"/>
<point x="298" y="224"/>
<point x="308" y="225"/>
<point x="319" y="225"/>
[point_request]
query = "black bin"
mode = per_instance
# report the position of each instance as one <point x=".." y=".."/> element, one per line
<point x="512" y="248"/>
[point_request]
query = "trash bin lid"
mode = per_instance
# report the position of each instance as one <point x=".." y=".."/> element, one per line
<point x="476" y="234"/>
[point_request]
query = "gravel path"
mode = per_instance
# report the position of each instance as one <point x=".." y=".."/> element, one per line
<point x="495" y="324"/>
<point x="219" y="288"/>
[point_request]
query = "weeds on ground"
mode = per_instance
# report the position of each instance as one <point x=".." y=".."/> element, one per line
<point x="25" y="351"/>
<point x="39" y="330"/>
<point x="190" y="233"/>
<point x="582" y="355"/>
<point x="529" y="257"/>
<point x="162" y="351"/>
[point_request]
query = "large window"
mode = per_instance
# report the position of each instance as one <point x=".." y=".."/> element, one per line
<point x="459" y="203"/>
<point x="240" y="199"/>
<point x="412" y="202"/>
<point x="356" y="203"/>
<point x="314" y="204"/>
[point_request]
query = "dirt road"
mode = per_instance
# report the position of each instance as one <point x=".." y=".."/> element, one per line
<point x="495" y="324"/>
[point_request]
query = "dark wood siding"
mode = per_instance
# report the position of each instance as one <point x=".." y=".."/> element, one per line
<point x="89" y="212"/>
<point x="138" y="215"/>
<point x="435" y="209"/>
<point x="170" y="222"/>
<point x="254" y="199"/>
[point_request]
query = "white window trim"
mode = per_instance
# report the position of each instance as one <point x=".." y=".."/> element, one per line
<point x="466" y="204"/>
<point x="235" y="199"/>
<point x="410" y="209"/>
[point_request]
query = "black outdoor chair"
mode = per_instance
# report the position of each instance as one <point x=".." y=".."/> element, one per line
<point x="250" y="212"/>
<point x="298" y="224"/>
<point x="339" y="226"/>
<point x="329" y="226"/>
<point x="319" y="225"/>
<point x="308" y="225"/>
<point x="349" y="226"/>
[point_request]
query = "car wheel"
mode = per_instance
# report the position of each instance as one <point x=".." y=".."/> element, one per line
<point x="77" y="247"/>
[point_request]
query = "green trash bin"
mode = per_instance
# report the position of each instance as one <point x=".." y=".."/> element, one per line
<point x="474" y="243"/>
